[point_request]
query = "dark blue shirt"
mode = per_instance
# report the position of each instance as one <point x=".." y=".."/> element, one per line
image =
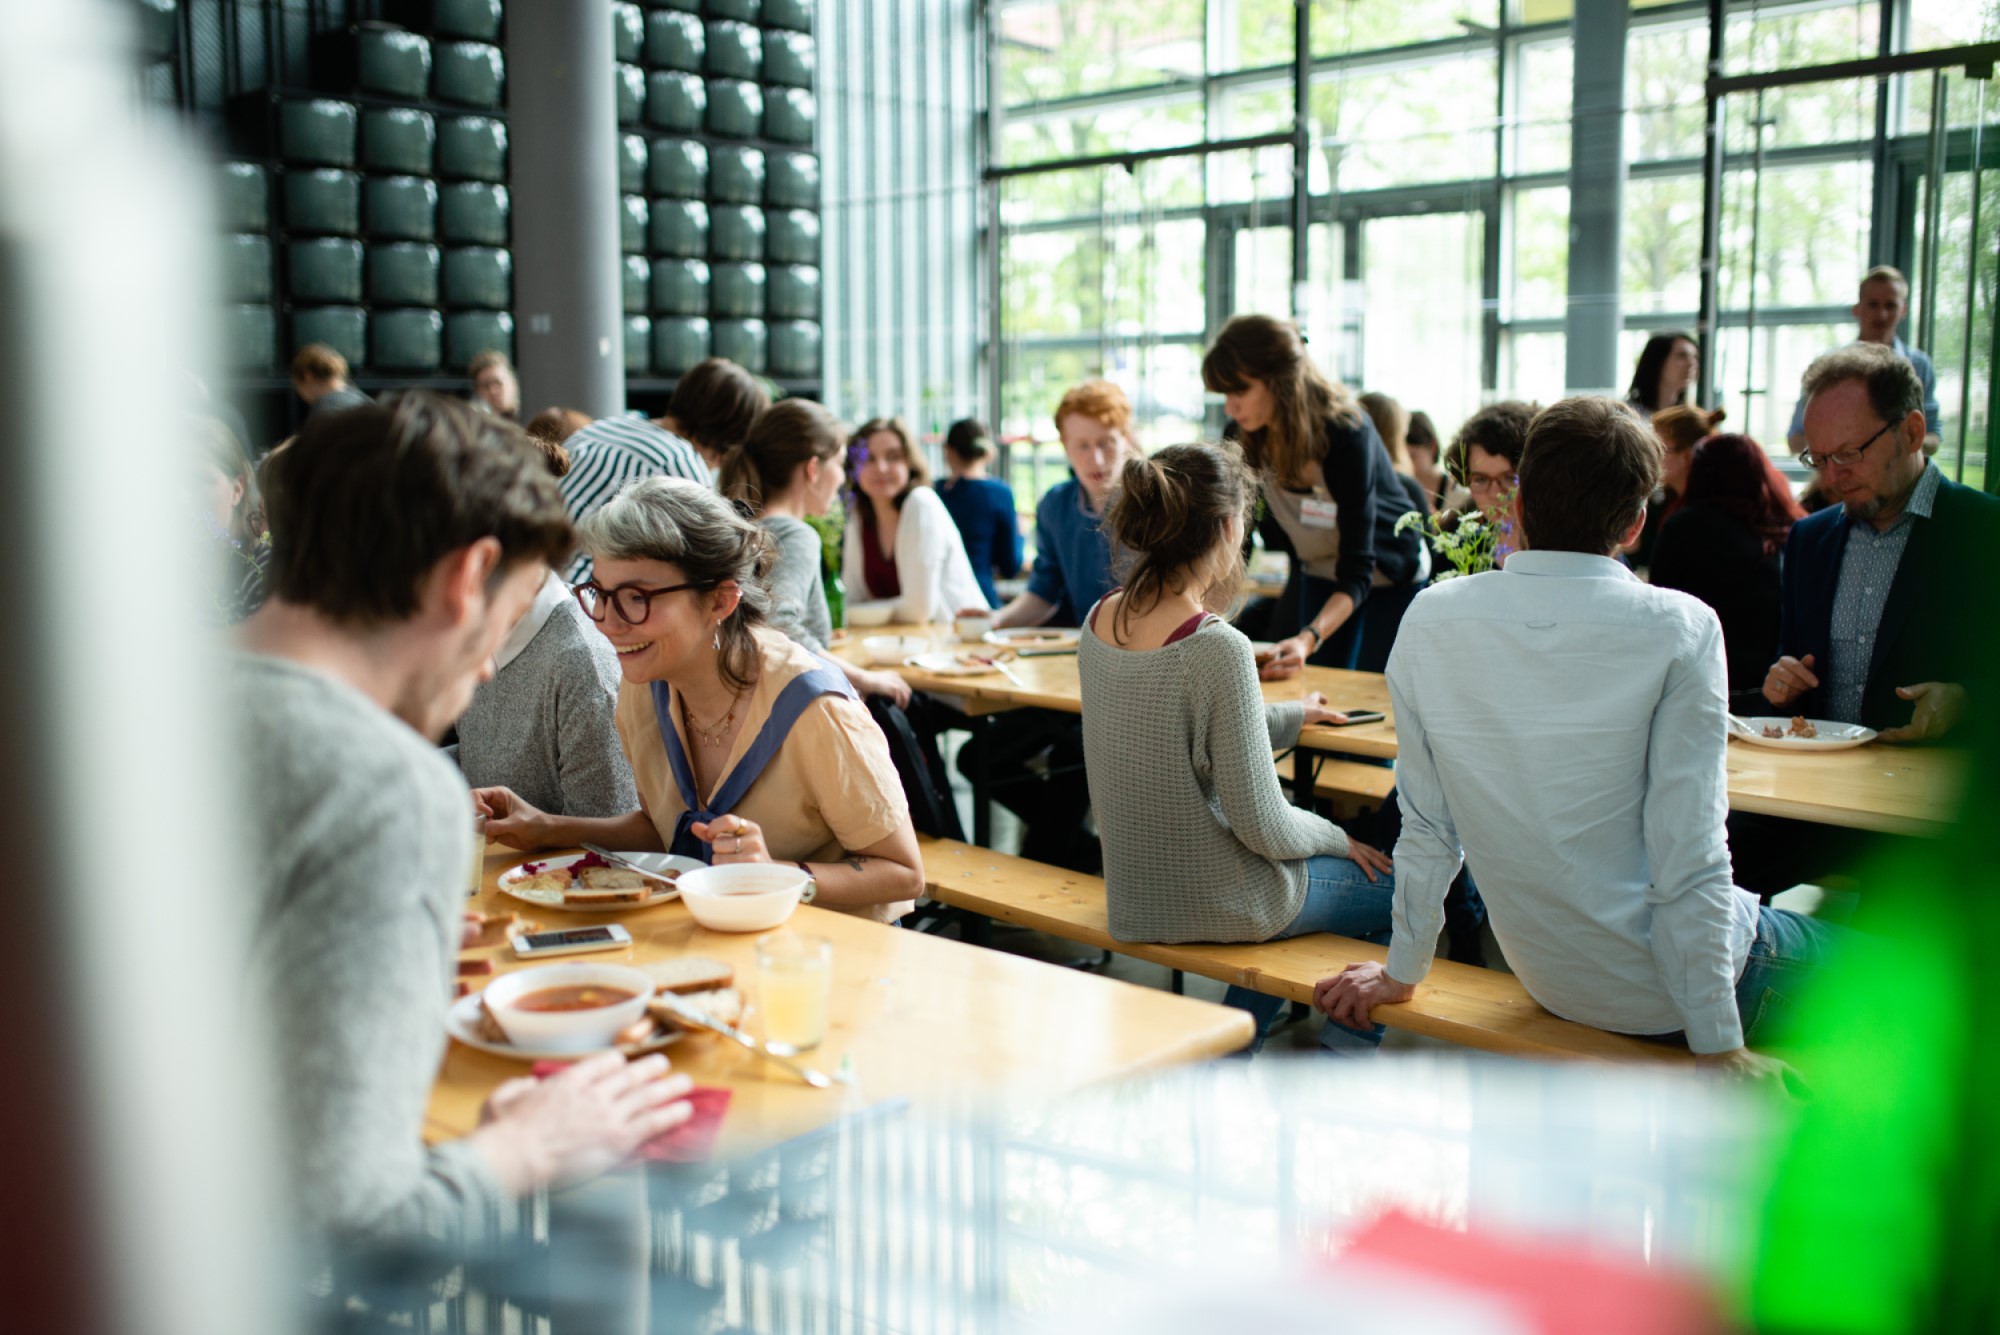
<point x="1072" y="554"/>
<point x="983" y="509"/>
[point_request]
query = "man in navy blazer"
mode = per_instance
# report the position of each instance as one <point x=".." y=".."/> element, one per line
<point x="1875" y="600"/>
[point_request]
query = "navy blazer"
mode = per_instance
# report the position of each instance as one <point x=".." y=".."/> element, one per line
<point x="1925" y="633"/>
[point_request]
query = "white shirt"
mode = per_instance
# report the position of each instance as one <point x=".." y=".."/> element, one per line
<point x="932" y="569"/>
<point x="1567" y="723"/>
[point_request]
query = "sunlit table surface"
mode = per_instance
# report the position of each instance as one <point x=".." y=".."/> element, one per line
<point x="915" y="1017"/>
<point x="1890" y="789"/>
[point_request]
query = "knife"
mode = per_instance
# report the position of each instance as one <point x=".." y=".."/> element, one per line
<point x="618" y="860"/>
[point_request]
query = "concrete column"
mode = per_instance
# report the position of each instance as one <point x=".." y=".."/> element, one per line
<point x="562" y="123"/>
<point x="1596" y="199"/>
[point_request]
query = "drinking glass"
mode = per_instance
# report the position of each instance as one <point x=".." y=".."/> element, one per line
<point x="795" y="985"/>
<point x="478" y="855"/>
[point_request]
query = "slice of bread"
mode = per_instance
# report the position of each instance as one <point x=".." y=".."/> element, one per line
<point x="690" y="973"/>
<point x="557" y="878"/>
<point x="723" y="1005"/>
<point x="615" y="878"/>
<point x="605" y="898"/>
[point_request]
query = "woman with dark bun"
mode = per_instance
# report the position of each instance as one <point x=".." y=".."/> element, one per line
<point x="1327" y="481"/>
<point x="1199" y="841"/>
<point x="982" y="507"/>
<point x="1722" y="542"/>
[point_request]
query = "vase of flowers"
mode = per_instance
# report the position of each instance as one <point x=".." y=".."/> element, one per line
<point x="1468" y="541"/>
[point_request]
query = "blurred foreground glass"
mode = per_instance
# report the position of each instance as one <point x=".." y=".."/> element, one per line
<point x="478" y="876"/>
<point x="795" y="987"/>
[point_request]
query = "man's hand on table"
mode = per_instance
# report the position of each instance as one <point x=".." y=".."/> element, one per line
<point x="1287" y="658"/>
<point x="1754" y="1068"/>
<point x="579" y="1122"/>
<point x="510" y="819"/>
<point x="1940" y="705"/>
<point x="1351" y="994"/>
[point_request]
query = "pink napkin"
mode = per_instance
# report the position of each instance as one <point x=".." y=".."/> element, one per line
<point x="690" y="1142"/>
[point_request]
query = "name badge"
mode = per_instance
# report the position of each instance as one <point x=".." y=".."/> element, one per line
<point x="1316" y="513"/>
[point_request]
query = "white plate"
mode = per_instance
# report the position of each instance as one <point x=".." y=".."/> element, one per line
<point x="950" y="664"/>
<point x="1832" y="736"/>
<point x="552" y="899"/>
<point x="463" y="1017"/>
<point x="1035" y="639"/>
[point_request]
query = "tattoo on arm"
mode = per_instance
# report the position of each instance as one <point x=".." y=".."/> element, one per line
<point x="855" y="860"/>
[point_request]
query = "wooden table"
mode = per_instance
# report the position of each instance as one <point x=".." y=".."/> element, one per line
<point x="921" y="1018"/>
<point x="1892" y="789"/>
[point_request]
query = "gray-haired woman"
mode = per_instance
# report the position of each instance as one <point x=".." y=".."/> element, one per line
<point x="746" y="747"/>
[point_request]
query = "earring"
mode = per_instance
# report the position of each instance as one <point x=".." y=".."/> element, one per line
<point x="718" y="637"/>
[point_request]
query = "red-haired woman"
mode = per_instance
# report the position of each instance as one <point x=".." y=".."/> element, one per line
<point x="1721" y="544"/>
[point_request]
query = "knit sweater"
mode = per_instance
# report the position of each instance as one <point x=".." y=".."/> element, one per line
<point x="362" y="835"/>
<point x="544" y="725"/>
<point x="1199" y="841"/>
<point x="798" y="596"/>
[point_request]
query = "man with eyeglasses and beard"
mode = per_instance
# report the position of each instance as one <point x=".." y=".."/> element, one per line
<point x="1875" y="596"/>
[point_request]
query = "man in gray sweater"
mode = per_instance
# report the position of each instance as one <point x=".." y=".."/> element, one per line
<point x="407" y="537"/>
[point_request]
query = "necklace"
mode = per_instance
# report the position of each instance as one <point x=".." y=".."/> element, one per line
<point x="714" y="734"/>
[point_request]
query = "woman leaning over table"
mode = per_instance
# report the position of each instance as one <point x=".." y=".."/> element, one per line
<point x="1327" y="480"/>
<point x="746" y="747"/>
<point x="1199" y="841"/>
<point x="901" y="542"/>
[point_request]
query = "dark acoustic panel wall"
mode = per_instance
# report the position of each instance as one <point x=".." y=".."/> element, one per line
<point x="634" y="215"/>
<point x="680" y="287"/>
<point x="472" y="148"/>
<point x="342" y="328"/>
<point x="745" y="342"/>
<point x="678" y="167"/>
<point x="398" y="139"/>
<point x="473" y="212"/>
<point x="634" y="157"/>
<point x="403" y="273"/>
<point x="479" y="276"/>
<point x="679" y="229"/>
<point x="403" y="208"/>
<point x="679" y="344"/>
<point x="323" y="200"/>
<point x="326" y="269"/>
<point x="406" y="340"/>
<point x="245" y="265"/>
<point x="638" y="345"/>
<point x="319" y="132"/>
<point x="470" y="73"/>
<point x="675" y="41"/>
<point x="637" y="280"/>
<point x="469" y="333"/>
<point x="243" y="197"/>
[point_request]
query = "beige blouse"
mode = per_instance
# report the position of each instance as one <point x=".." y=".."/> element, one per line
<point x="831" y="788"/>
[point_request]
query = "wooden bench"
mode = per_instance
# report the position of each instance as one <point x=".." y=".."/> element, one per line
<point x="1344" y="782"/>
<point x="1476" y="1008"/>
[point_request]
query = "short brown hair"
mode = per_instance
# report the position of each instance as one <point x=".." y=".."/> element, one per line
<point x="1499" y="428"/>
<point x="1894" y="391"/>
<point x="364" y="503"/>
<point x="1587" y="469"/>
<point x="1685" y="426"/>
<point x="1884" y="273"/>
<point x="490" y="358"/>
<point x="557" y="424"/>
<point x="715" y="403"/>
<point x="317" y="361"/>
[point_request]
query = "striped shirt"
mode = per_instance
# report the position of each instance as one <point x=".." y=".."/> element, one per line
<point x="609" y="453"/>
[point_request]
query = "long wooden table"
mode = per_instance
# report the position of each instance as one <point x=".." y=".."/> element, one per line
<point x="1891" y="789"/>
<point x="915" y="1017"/>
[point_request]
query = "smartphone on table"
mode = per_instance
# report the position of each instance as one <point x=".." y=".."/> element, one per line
<point x="571" y="941"/>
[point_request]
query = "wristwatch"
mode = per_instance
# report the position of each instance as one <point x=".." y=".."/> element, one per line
<point x="812" y="884"/>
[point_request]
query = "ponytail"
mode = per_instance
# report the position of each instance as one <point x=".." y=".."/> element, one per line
<point x="1171" y="512"/>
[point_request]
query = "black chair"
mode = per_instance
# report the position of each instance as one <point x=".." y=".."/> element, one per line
<point x="921" y="769"/>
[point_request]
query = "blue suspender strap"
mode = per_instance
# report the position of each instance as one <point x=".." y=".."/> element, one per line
<point x="799" y="693"/>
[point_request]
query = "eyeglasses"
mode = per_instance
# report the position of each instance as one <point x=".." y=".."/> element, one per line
<point x="633" y="601"/>
<point x="1479" y="482"/>
<point x="1845" y="458"/>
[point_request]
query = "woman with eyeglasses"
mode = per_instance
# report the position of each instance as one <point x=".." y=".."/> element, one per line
<point x="746" y="747"/>
<point x="541" y="725"/>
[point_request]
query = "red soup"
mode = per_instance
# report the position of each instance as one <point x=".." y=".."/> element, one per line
<point x="578" y="997"/>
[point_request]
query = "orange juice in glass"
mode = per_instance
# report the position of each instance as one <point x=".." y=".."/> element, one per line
<point x="795" y="987"/>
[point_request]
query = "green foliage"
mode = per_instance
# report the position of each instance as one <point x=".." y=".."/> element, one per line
<point x="1467" y="540"/>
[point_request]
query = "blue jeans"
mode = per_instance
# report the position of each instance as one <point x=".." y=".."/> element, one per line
<point x="1339" y="899"/>
<point x="1789" y="951"/>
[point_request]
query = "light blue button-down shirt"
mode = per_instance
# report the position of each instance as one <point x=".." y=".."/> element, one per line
<point x="1562" y="725"/>
<point x="1867" y="569"/>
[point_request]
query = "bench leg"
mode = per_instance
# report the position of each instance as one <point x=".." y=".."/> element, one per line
<point x="1305" y="773"/>
<point x="982" y="784"/>
<point x="1180" y="982"/>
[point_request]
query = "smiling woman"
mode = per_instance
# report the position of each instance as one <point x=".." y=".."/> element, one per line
<point x="746" y="747"/>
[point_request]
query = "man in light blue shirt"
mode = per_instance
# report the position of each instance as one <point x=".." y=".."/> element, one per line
<point x="1882" y="303"/>
<point x="1563" y="724"/>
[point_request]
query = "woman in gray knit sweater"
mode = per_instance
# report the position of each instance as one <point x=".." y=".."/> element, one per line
<point x="1199" y="841"/>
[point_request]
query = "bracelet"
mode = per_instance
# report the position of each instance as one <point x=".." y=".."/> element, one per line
<point x="1312" y="630"/>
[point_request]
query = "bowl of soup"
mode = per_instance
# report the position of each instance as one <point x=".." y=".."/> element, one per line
<point x="743" y="896"/>
<point x="574" y="1007"/>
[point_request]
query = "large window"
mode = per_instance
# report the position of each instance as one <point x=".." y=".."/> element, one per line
<point x="1438" y="177"/>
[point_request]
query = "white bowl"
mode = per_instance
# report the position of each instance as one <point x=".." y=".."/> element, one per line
<point x="889" y="650"/>
<point x="877" y="613"/>
<point x="973" y="627"/>
<point x="567" y="1031"/>
<point x="743" y="896"/>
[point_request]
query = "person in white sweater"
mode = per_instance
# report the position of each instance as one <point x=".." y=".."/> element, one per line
<point x="901" y="542"/>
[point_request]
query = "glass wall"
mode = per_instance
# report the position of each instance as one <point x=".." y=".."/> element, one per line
<point x="1438" y="181"/>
